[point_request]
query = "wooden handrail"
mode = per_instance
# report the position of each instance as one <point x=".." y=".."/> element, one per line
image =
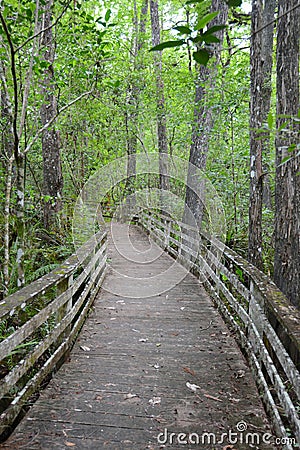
<point x="265" y="323"/>
<point x="41" y="322"/>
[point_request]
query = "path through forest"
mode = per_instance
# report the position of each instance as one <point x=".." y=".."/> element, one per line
<point x="131" y="377"/>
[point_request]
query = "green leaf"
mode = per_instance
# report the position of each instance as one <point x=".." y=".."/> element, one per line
<point x="283" y="127"/>
<point x="189" y="2"/>
<point x="107" y="15"/>
<point x="28" y="13"/>
<point x="167" y="44"/>
<point x="211" y="38"/>
<point x="292" y="148"/>
<point x="270" y="120"/>
<point x="223" y="277"/>
<point x="201" y="56"/>
<point x="215" y="28"/>
<point x="204" y="20"/>
<point x="234" y="3"/>
<point x="284" y="160"/>
<point x="183" y="29"/>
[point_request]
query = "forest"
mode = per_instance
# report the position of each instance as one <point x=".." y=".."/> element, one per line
<point x="213" y="82"/>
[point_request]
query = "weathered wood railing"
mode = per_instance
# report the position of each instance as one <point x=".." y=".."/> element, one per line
<point x="265" y="323"/>
<point x="40" y="322"/>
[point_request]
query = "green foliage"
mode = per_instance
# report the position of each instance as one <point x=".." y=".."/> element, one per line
<point x="199" y="34"/>
<point x="95" y="47"/>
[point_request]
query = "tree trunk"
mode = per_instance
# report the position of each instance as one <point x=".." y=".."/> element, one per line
<point x="160" y="99"/>
<point x="20" y="218"/>
<point x="260" y="99"/>
<point x="52" y="173"/>
<point x="203" y="121"/>
<point x="287" y="190"/>
<point x="7" y="145"/>
<point x="266" y="91"/>
<point x="256" y="109"/>
<point x="132" y="110"/>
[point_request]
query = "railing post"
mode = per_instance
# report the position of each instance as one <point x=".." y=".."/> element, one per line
<point x="149" y="223"/>
<point x="62" y="287"/>
<point x="167" y="233"/>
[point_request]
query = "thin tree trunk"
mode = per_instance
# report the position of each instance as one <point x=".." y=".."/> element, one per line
<point x="14" y="152"/>
<point x="132" y="111"/>
<point x="160" y="99"/>
<point x="20" y="218"/>
<point x="266" y="92"/>
<point x="52" y="172"/>
<point x="19" y="159"/>
<point x="203" y="121"/>
<point x="7" y="148"/>
<point x="8" y="187"/>
<point x="287" y="191"/>
<point x="256" y="108"/>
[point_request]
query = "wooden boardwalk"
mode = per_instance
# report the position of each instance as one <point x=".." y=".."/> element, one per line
<point x="130" y="373"/>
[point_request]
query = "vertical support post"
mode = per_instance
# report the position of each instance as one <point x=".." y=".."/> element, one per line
<point x="167" y="233"/>
<point x="62" y="287"/>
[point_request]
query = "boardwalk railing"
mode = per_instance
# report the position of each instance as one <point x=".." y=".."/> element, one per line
<point x="40" y="322"/>
<point x="265" y="323"/>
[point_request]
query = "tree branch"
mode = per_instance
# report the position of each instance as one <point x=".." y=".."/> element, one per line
<point x="15" y="85"/>
<point x="48" y="124"/>
<point x="44" y="29"/>
<point x="274" y="20"/>
<point x="29" y="74"/>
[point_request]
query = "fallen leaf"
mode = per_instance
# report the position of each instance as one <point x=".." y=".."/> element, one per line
<point x="190" y="371"/>
<point x="211" y="397"/>
<point x="98" y="398"/>
<point x="240" y="374"/>
<point x="192" y="387"/>
<point x="155" y="401"/>
<point x="85" y="348"/>
<point x="70" y="444"/>
<point x="129" y="396"/>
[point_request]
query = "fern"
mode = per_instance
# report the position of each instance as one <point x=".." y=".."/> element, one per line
<point x="41" y="271"/>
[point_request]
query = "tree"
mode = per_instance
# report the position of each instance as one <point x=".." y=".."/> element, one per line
<point x="287" y="192"/>
<point x="21" y="65"/>
<point x="203" y="117"/>
<point x="261" y="89"/>
<point x="160" y="98"/>
<point x="133" y="95"/>
<point x="18" y="109"/>
<point x="52" y="173"/>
